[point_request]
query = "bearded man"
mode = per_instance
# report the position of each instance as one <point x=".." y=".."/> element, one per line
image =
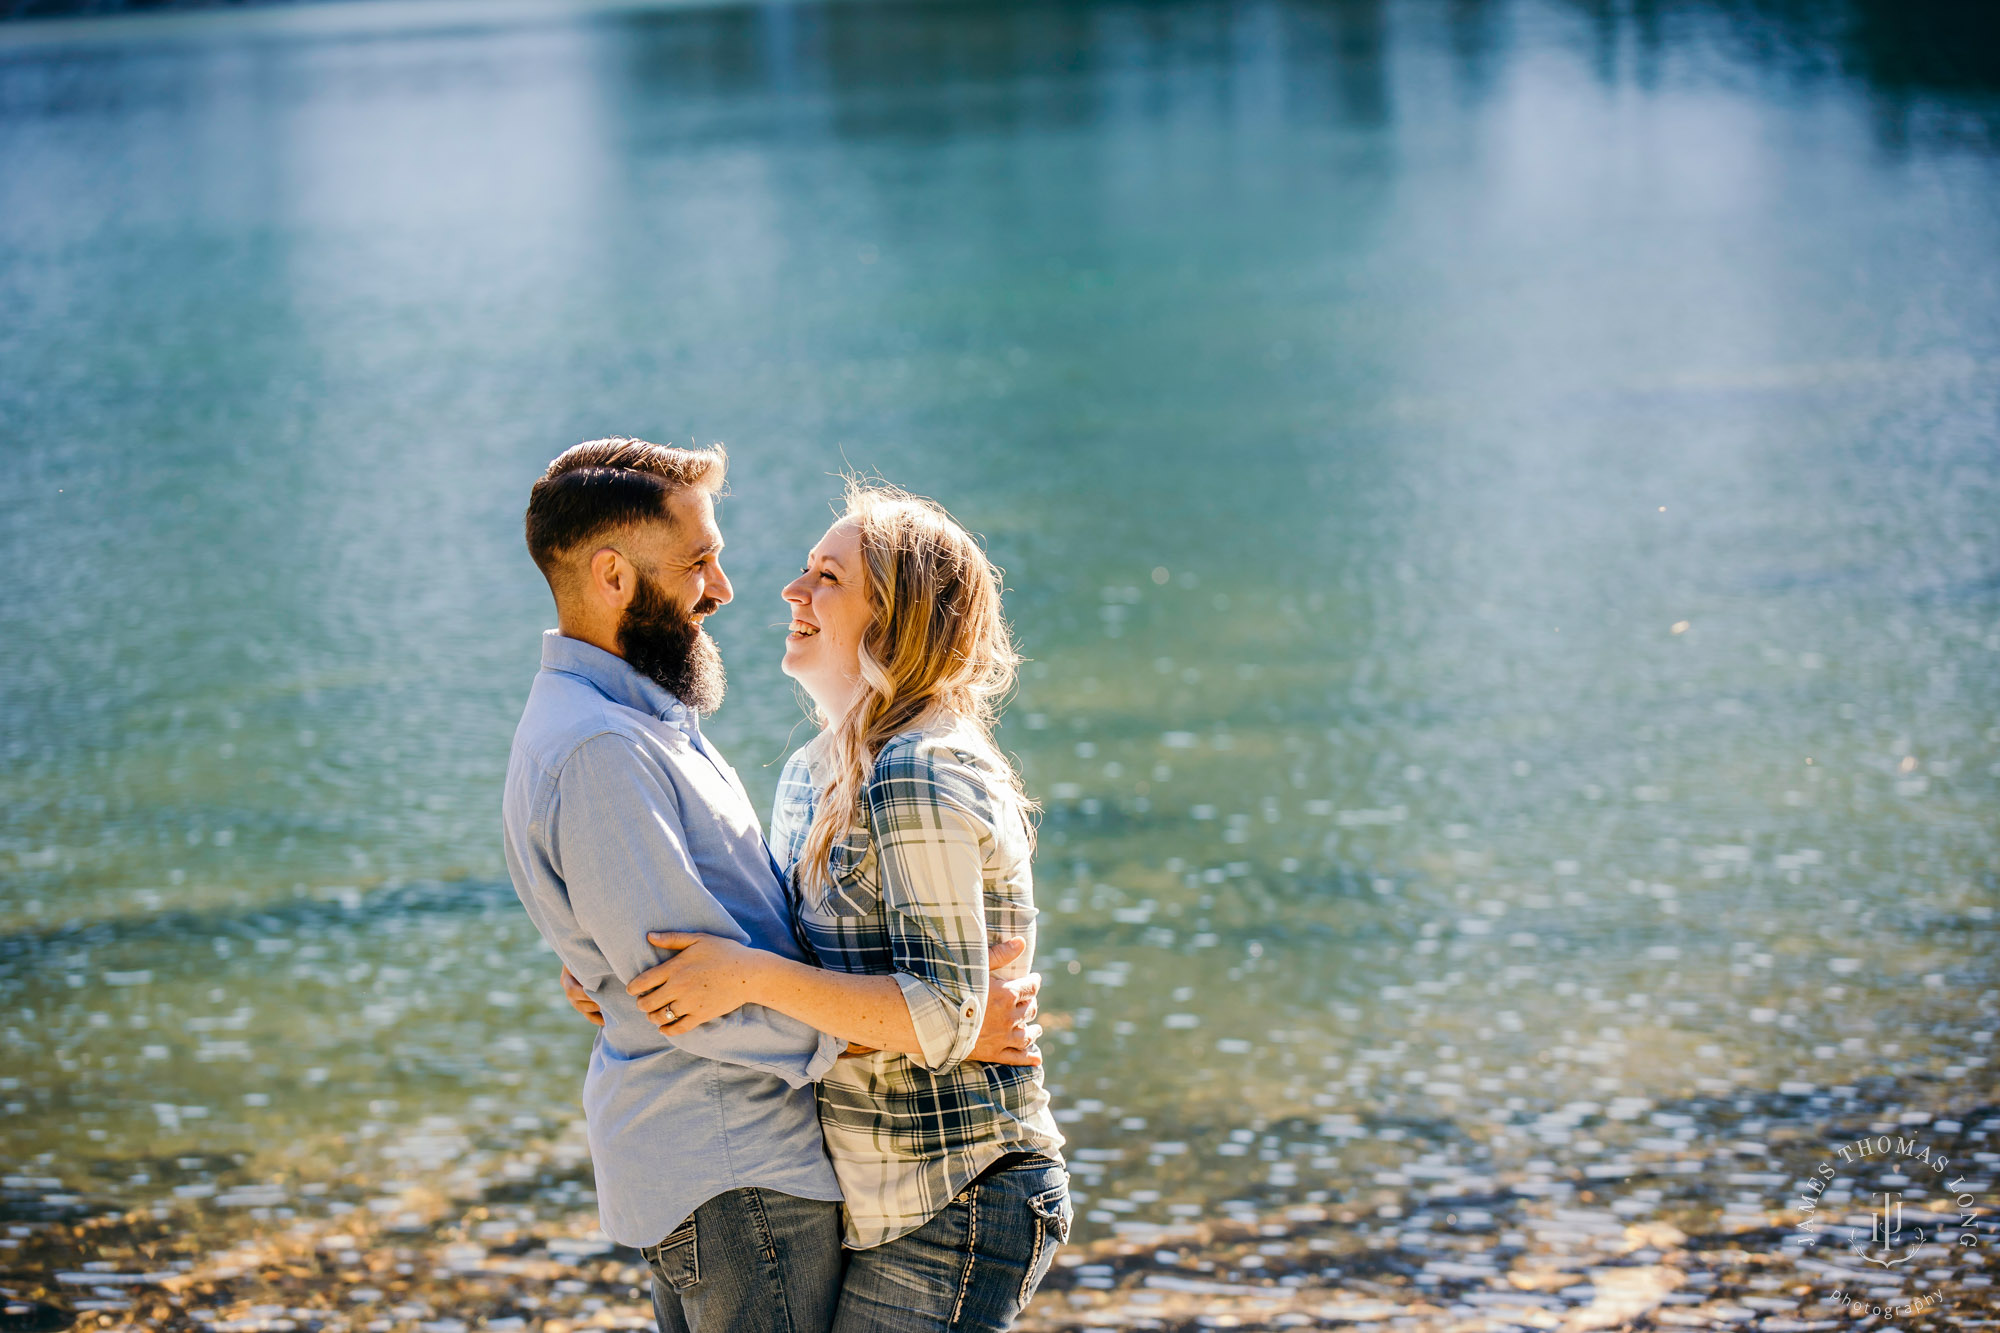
<point x="621" y="817"/>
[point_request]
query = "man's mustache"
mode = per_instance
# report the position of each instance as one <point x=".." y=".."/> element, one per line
<point x="706" y="606"/>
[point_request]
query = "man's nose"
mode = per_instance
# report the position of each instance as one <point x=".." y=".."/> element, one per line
<point x="719" y="589"/>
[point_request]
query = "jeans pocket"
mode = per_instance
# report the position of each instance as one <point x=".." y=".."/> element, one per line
<point x="1052" y="1213"/>
<point x="674" y="1260"/>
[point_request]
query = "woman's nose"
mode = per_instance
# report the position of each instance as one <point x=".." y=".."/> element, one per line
<point x="794" y="592"/>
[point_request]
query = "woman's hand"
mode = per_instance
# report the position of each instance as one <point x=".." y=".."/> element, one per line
<point x="579" y="999"/>
<point x="707" y="977"/>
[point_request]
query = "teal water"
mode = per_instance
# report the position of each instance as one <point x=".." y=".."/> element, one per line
<point x="1502" y="498"/>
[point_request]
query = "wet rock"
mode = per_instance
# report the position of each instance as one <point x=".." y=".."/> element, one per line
<point x="33" y="1317"/>
<point x="1621" y="1295"/>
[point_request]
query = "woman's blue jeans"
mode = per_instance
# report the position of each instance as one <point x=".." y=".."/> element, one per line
<point x="973" y="1266"/>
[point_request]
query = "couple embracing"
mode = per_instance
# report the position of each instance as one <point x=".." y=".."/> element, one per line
<point x="815" y="1103"/>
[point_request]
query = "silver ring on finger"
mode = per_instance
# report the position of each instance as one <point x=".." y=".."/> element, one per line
<point x="667" y="1016"/>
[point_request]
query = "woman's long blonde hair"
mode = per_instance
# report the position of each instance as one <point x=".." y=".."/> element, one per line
<point x="937" y="649"/>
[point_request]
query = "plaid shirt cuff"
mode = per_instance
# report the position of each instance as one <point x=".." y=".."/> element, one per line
<point x="946" y="1034"/>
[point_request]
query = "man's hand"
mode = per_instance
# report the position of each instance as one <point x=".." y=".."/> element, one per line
<point x="1007" y="1037"/>
<point x="579" y="999"/>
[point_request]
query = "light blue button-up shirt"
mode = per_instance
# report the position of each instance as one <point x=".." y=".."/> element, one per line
<point x="621" y="818"/>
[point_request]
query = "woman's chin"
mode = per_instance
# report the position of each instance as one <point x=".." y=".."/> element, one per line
<point x="794" y="658"/>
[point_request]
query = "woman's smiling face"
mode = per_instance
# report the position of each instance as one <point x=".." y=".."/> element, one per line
<point x="830" y="614"/>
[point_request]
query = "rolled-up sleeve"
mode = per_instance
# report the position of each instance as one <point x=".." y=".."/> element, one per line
<point x="616" y="834"/>
<point x="930" y="857"/>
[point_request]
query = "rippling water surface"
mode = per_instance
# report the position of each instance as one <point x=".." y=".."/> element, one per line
<point x="1502" y="496"/>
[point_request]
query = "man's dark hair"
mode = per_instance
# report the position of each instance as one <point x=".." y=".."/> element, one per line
<point x="601" y="485"/>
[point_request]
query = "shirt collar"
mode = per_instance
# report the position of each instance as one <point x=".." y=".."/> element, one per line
<point x="613" y="677"/>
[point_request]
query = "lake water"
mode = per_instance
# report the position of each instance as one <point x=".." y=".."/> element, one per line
<point x="1502" y="498"/>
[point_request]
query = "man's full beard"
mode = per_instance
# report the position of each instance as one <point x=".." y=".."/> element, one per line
<point x="663" y="643"/>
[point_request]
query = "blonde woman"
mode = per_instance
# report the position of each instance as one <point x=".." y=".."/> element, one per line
<point x="906" y="845"/>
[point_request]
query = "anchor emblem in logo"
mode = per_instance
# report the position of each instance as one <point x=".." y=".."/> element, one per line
<point x="1885" y="1235"/>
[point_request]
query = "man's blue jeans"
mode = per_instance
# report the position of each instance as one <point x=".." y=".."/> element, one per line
<point x="749" y="1261"/>
<point x="973" y="1267"/>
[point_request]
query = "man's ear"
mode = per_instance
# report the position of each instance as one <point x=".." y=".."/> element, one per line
<point x="612" y="578"/>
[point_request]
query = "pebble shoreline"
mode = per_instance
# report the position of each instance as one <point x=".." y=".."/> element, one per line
<point x="1651" y="1242"/>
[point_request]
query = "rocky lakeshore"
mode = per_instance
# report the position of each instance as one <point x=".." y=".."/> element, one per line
<point x="1697" y="1225"/>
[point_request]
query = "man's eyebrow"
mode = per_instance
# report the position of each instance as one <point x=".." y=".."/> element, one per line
<point x="705" y="549"/>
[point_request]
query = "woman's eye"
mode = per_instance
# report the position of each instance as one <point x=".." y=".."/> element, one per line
<point x="826" y="574"/>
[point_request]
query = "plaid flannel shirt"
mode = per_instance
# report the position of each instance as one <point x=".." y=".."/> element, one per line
<point x="935" y="870"/>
